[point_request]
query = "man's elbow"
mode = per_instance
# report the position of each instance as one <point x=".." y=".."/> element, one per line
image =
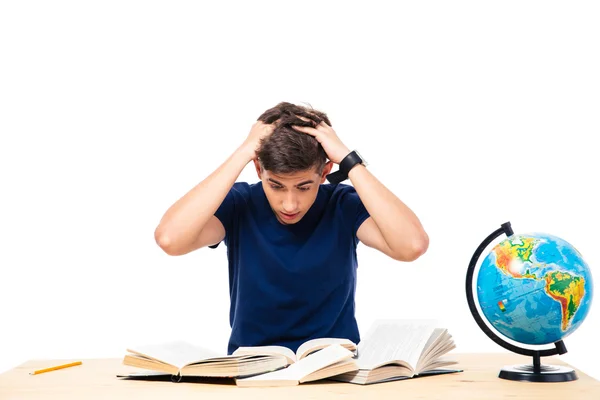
<point x="417" y="248"/>
<point x="163" y="240"/>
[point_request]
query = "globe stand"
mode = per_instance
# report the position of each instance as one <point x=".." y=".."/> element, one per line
<point x="535" y="372"/>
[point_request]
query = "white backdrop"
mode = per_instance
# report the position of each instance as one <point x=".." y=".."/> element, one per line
<point x="473" y="113"/>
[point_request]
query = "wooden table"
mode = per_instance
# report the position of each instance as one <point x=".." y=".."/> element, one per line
<point x="95" y="379"/>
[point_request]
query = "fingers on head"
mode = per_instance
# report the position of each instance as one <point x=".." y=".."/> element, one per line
<point x="308" y="119"/>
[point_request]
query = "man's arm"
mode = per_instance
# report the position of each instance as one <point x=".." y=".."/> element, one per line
<point x="190" y="224"/>
<point x="392" y="228"/>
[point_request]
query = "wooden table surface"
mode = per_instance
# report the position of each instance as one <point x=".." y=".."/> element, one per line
<point x="95" y="379"/>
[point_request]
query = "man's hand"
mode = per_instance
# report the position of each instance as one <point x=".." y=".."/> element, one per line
<point x="333" y="146"/>
<point x="259" y="131"/>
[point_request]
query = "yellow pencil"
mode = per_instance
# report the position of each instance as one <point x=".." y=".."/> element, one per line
<point x="41" y="371"/>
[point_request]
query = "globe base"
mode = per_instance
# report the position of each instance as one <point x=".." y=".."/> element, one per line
<point x="545" y="373"/>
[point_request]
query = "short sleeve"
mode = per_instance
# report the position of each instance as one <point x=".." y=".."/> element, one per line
<point x="227" y="211"/>
<point x="354" y="210"/>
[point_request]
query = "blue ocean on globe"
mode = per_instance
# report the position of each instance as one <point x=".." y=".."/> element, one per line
<point x="534" y="288"/>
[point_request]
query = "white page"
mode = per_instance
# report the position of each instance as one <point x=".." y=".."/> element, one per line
<point x="432" y="348"/>
<point x="177" y="353"/>
<point x="276" y="350"/>
<point x="321" y="343"/>
<point x="390" y="340"/>
<point x="314" y="362"/>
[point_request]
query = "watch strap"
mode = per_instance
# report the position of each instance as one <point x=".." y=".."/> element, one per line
<point x="337" y="177"/>
<point x="346" y="165"/>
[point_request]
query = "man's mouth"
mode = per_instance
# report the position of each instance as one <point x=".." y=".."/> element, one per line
<point x="289" y="216"/>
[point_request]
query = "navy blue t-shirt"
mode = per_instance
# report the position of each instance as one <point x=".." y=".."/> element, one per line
<point x="291" y="283"/>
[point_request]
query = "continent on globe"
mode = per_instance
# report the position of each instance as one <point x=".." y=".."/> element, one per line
<point x="563" y="287"/>
<point x="534" y="288"/>
<point x="508" y="251"/>
<point x="568" y="290"/>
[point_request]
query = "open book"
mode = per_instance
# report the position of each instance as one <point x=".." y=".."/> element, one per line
<point x="304" y="350"/>
<point x="397" y="349"/>
<point x="184" y="359"/>
<point x="330" y="361"/>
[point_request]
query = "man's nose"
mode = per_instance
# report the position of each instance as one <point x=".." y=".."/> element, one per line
<point x="290" y="203"/>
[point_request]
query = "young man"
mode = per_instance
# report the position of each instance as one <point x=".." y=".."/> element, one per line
<point x="291" y="239"/>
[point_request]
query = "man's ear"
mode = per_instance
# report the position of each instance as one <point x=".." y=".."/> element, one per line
<point x="258" y="169"/>
<point x="326" y="171"/>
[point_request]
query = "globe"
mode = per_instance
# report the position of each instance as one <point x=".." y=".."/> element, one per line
<point x="534" y="288"/>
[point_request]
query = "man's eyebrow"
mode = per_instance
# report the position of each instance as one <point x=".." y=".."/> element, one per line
<point x="300" y="184"/>
<point x="305" y="182"/>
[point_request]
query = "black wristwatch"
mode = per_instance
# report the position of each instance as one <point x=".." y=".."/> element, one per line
<point x="346" y="165"/>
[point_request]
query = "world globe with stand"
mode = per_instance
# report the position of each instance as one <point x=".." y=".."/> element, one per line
<point x="534" y="289"/>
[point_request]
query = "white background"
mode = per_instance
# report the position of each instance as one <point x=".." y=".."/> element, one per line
<point x="473" y="113"/>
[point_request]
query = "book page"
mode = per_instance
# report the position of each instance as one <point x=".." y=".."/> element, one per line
<point x="317" y="344"/>
<point x="394" y="340"/>
<point x="295" y="372"/>
<point x="429" y="351"/>
<point x="341" y="367"/>
<point x="270" y="350"/>
<point x="176" y="353"/>
<point x="436" y="336"/>
<point x="440" y="343"/>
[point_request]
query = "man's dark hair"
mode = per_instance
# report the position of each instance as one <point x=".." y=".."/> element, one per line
<point x="287" y="150"/>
